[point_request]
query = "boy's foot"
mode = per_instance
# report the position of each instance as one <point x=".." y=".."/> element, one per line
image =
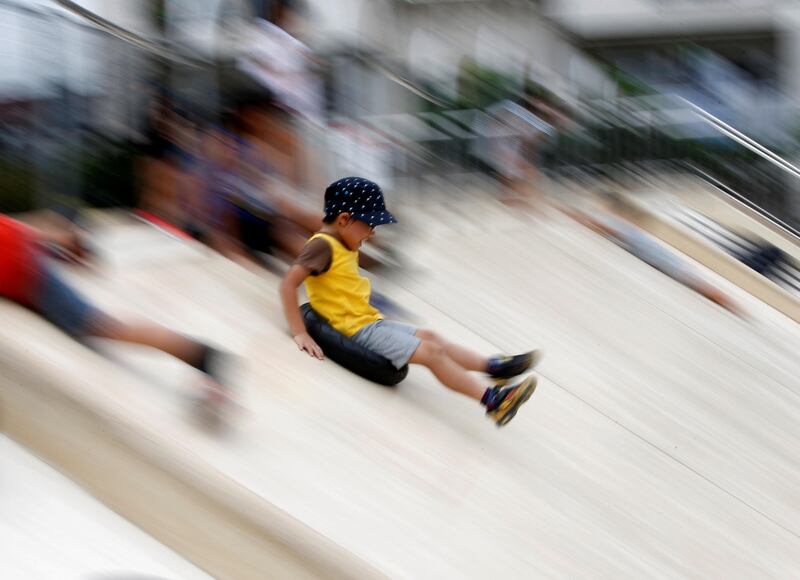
<point x="506" y="367"/>
<point x="215" y="394"/>
<point x="213" y="403"/>
<point x="506" y="401"/>
<point x="214" y="397"/>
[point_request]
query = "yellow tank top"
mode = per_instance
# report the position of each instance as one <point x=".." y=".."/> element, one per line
<point x="341" y="295"/>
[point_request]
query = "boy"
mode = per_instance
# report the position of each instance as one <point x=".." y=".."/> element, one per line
<point x="328" y="265"/>
<point x="619" y="225"/>
<point x="28" y="279"/>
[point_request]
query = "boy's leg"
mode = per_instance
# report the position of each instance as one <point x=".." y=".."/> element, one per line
<point x="204" y="358"/>
<point x="452" y="375"/>
<point x="717" y="296"/>
<point x="501" y="367"/>
<point x="502" y="403"/>
<point x="401" y="344"/>
<point x="152" y="335"/>
<point x="59" y="303"/>
<point x="465" y="357"/>
<point x="680" y="271"/>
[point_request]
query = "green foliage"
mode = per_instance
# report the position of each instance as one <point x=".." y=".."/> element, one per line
<point x="17" y="185"/>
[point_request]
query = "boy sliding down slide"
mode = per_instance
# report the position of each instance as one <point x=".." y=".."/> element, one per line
<point x="618" y="223"/>
<point x="328" y="265"/>
<point x="28" y="278"/>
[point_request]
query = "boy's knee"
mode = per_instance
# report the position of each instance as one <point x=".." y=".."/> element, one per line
<point x="429" y="353"/>
<point x="429" y="336"/>
<point x="104" y="326"/>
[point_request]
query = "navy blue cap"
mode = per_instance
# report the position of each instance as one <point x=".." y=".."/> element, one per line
<point x="361" y="198"/>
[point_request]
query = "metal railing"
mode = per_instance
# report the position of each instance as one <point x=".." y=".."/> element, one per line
<point x="630" y="138"/>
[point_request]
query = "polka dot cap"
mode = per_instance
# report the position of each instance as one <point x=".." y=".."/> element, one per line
<point x="360" y="197"/>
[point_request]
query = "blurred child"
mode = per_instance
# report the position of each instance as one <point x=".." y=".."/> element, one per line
<point x="328" y="265"/>
<point x="265" y="214"/>
<point x="28" y="278"/>
<point x="277" y="59"/>
<point x="618" y="224"/>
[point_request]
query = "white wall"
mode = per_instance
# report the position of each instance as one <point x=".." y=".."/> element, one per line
<point x="39" y="52"/>
<point x="509" y="36"/>
<point x="789" y="50"/>
<point x="335" y="21"/>
<point x="599" y="18"/>
<point x="620" y="18"/>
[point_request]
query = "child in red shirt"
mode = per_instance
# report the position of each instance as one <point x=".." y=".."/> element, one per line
<point x="27" y="278"/>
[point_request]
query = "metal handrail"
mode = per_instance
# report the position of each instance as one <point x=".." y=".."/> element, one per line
<point x="156" y="47"/>
<point x="741" y="138"/>
<point x="663" y="103"/>
<point x="738" y="197"/>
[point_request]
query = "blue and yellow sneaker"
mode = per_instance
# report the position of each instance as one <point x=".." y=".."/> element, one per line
<point x="502" y="403"/>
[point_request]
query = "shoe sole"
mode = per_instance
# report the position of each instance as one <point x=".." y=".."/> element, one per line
<point x="512" y="412"/>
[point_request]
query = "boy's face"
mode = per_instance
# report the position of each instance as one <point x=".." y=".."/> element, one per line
<point x="352" y="231"/>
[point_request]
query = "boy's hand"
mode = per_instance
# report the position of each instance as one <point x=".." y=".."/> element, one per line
<point x="70" y="249"/>
<point x="306" y="343"/>
<point x="75" y="244"/>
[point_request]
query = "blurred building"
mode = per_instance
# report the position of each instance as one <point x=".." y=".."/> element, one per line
<point x="739" y="59"/>
<point x="49" y="52"/>
<point x="424" y="40"/>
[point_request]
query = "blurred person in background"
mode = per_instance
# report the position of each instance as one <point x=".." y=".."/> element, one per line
<point x="29" y="277"/>
<point x="516" y="133"/>
<point x="234" y="199"/>
<point x="277" y="59"/>
<point x="221" y="184"/>
<point x="763" y="257"/>
<point x="618" y="223"/>
<point x="168" y="157"/>
<point x="168" y="127"/>
<point x="163" y="183"/>
<point x="252" y="210"/>
<point x="157" y="123"/>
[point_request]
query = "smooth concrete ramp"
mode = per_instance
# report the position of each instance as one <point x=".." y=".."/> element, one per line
<point x="665" y="205"/>
<point x="660" y="443"/>
<point x="50" y="528"/>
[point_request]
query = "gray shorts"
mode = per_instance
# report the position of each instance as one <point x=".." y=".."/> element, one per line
<point x="63" y="306"/>
<point x="394" y="340"/>
<point x="653" y="252"/>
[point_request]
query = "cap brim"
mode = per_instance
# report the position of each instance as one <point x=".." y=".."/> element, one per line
<point x="380" y="218"/>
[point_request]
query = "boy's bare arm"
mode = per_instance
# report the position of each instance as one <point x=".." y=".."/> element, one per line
<point x="291" y="309"/>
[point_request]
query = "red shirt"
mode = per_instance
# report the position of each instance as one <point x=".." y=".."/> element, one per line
<point x="18" y="268"/>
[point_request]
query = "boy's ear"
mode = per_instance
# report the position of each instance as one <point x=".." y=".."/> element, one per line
<point x="344" y="218"/>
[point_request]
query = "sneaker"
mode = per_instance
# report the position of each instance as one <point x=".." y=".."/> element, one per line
<point x="506" y="367"/>
<point x="215" y="390"/>
<point x="216" y="395"/>
<point x="508" y="400"/>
